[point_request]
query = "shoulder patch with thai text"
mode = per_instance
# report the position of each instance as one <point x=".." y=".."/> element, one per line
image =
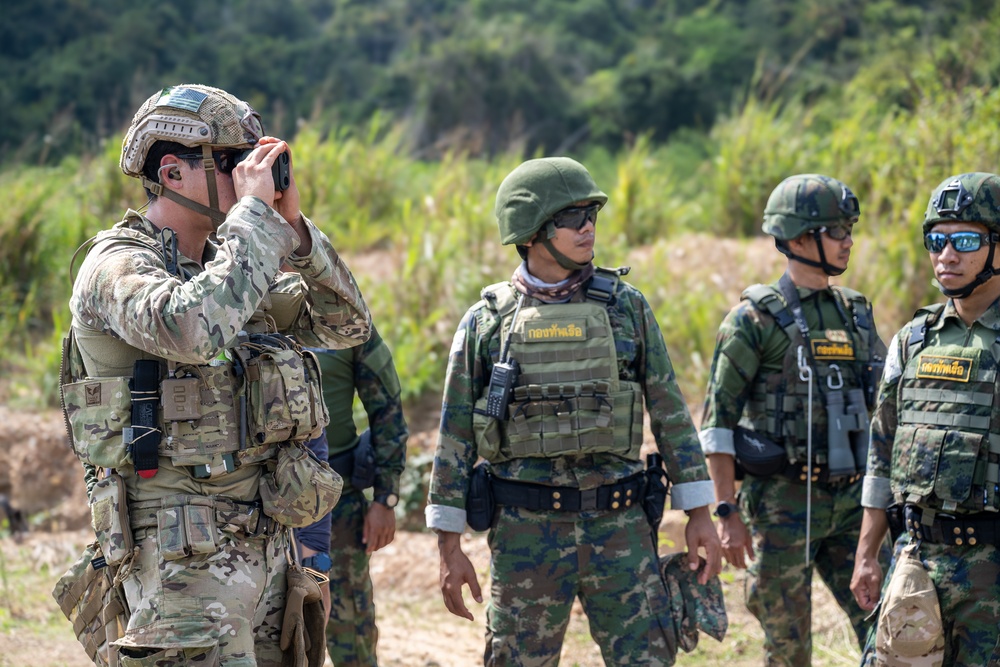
<point x="938" y="367"/>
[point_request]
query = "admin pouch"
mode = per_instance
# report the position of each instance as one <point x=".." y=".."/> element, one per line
<point x="910" y="632"/>
<point x="91" y="598"/>
<point x="301" y="489"/>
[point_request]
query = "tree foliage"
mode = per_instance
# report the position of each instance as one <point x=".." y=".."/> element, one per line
<point x="472" y="75"/>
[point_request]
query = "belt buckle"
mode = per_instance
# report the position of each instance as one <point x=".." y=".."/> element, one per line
<point x="588" y="500"/>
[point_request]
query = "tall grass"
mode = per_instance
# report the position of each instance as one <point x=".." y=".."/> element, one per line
<point x="422" y="238"/>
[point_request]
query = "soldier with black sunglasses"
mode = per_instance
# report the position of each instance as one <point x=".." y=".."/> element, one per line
<point x="793" y="379"/>
<point x="934" y="466"/>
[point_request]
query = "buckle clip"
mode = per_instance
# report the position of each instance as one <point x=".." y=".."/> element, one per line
<point x="588" y="500"/>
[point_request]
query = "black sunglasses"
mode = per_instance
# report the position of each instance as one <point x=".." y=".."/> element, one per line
<point x="575" y="217"/>
<point x="837" y="232"/>
<point x="960" y="241"/>
<point x="225" y="161"/>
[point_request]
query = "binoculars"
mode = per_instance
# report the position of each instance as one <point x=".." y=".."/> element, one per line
<point x="847" y="432"/>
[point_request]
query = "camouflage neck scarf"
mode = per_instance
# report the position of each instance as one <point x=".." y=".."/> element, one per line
<point x="559" y="292"/>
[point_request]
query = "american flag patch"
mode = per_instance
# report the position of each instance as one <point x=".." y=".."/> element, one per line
<point x="181" y="98"/>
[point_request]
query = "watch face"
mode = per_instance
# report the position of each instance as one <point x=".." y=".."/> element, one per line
<point x="724" y="509"/>
<point x="390" y="500"/>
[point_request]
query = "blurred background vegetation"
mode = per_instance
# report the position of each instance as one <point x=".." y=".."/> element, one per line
<point x="404" y="115"/>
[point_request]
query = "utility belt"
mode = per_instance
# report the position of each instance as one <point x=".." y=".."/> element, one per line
<point x="820" y="473"/>
<point x="232" y="516"/>
<point x="357" y="464"/>
<point x="539" y="497"/>
<point x="950" y="529"/>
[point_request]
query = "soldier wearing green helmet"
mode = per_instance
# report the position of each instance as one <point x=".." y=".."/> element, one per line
<point x="793" y="379"/>
<point x="933" y="474"/>
<point x="547" y="380"/>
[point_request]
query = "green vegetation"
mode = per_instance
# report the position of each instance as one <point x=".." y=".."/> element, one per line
<point x="772" y="88"/>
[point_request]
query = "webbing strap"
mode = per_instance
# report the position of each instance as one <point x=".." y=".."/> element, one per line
<point x="944" y="419"/>
<point x="602" y="372"/>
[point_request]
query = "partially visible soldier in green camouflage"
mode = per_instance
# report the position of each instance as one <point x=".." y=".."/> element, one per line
<point x="180" y="378"/>
<point x="374" y="459"/>
<point x="546" y="381"/>
<point x="933" y="466"/>
<point x="786" y="344"/>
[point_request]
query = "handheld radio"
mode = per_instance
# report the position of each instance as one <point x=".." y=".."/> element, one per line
<point x="504" y="375"/>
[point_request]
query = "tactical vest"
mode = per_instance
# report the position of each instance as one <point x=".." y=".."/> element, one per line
<point x="946" y="451"/>
<point x="568" y="398"/>
<point x="778" y="402"/>
<point x="234" y="410"/>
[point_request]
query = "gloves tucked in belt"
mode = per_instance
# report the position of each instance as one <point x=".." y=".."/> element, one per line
<point x="303" y="627"/>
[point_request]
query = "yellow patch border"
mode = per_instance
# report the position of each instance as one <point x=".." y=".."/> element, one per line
<point x="965" y="364"/>
<point x="816" y="342"/>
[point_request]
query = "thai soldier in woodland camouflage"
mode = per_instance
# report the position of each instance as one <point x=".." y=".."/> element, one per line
<point x="562" y="439"/>
<point x="935" y="452"/>
<point x="358" y="527"/>
<point x="785" y="344"/>
<point x="181" y="379"/>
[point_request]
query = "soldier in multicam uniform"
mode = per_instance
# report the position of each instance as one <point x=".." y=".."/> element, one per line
<point x="183" y="310"/>
<point x="785" y="344"/>
<point x="358" y="528"/>
<point x="562" y="436"/>
<point x="934" y="453"/>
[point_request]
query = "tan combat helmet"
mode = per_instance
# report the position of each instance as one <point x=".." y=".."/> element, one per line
<point x="191" y="115"/>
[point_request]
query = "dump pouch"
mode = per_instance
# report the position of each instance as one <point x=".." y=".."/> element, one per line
<point x="756" y="454"/>
<point x="480" y="507"/>
<point x="302" y="489"/>
<point x="109" y="518"/>
<point x="88" y="597"/>
<point x="363" y="472"/>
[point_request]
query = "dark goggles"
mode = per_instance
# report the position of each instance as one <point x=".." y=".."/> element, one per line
<point x="575" y="217"/>
<point x="960" y="241"/>
<point x="837" y="232"/>
<point x="225" y="160"/>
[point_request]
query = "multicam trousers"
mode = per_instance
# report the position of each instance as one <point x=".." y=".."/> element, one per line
<point x="351" y="633"/>
<point x="221" y="608"/>
<point x="542" y="561"/>
<point x="778" y="584"/>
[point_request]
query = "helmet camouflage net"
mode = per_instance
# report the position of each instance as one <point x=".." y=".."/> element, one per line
<point x="972" y="197"/>
<point x="537" y="189"/>
<point x="191" y="115"/>
<point x="806" y="202"/>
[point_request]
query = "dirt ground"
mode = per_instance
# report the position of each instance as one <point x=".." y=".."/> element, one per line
<point x="416" y="629"/>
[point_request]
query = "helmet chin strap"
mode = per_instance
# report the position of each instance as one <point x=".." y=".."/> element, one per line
<point x="212" y="210"/>
<point x="984" y="275"/>
<point x="560" y="258"/>
<point x="828" y="269"/>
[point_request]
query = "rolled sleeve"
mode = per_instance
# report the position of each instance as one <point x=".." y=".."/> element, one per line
<point x="689" y="495"/>
<point x="717" y="441"/>
<point x="443" y="517"/>
<point x="876" y="492"/>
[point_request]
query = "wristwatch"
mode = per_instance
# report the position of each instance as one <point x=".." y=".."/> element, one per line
<point x="724" y="509"/>
<point x="320" y="562"/>
<point x="390" y="500"/>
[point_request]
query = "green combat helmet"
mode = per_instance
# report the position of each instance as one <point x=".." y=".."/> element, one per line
<point x="195" y="116"/>
<point x="533" y="192"/>
<point x="693" y="606"/>
<point x="972" y="197"/>
<point x="808" y="203"/>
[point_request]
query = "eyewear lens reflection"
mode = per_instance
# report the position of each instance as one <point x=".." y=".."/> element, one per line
<point x="837" y="232"/>
<point x="961" y="241"/>
<point x="575" y="217"/>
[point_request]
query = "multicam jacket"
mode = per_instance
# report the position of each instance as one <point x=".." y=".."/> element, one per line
<point x="934" y="433"/>
<point x="128" y="303"/>
<point x="641" y="358"/>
